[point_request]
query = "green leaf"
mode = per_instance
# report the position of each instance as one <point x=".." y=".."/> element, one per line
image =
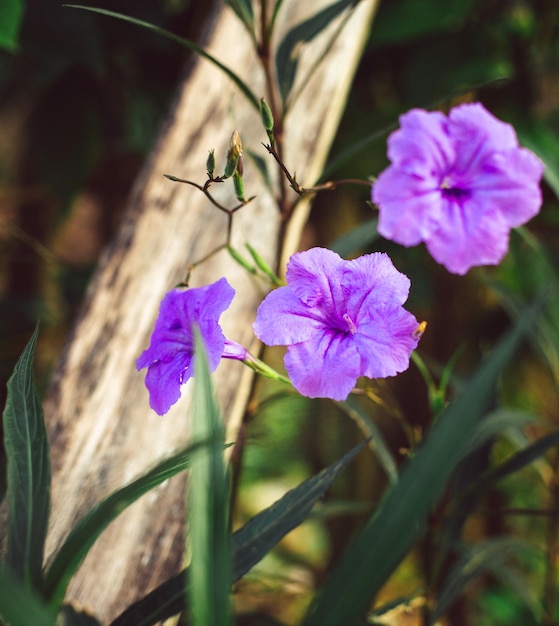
<point x="260" y="534"/>
<point x="367" y="424"/>
<point x="396" y="524"/>
<point x="78" y="543"/>
<point x="243" y="10"/>
<point x="497" y="423"/>
<point x="524" y="457"/>
<point x="28" y="471"/>
<point x="208" y="505"/>
<point x="402" y="20"/>
<point x="243" y="87"/>
<point x="11" y="15"/>
<point x="71" y="616"/>
<point x="360" y="237"/>
<point x="287" y="55"/>
<point x="19" y="605"/>
<point x="250" y="544"/>
<point x="474" y="561"/>
<point x="539" y="138"/>
<point x="275" y="13"/>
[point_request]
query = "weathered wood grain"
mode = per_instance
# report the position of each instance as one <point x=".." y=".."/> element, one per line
<point x="101" y="429"/>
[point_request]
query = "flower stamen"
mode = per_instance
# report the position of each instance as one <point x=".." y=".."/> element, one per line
<point x="350" y="323"/>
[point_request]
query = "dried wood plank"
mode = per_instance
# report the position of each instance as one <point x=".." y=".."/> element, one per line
<point x="101" y="429"/>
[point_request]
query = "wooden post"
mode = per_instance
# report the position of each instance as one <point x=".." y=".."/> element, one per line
<point x="101" y="429"/>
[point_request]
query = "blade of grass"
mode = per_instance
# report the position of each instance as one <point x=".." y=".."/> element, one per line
<point x="208" y="506"/>
<point x="243" y="87"/>
<point x="28" y="471"/>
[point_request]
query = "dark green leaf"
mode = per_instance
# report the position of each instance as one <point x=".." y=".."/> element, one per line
<point x="11" y="14"/>
<point x="405" y="19"/>
<point x="357" y="147"/>
<point x="367" y="425"/>
<point x="543" y="141"/>
<point x="243" y="87"/>
<point x="88" y="529"/>
<point x="275" y="13"/>
<point x="19" y="606"/>
<point x="250" y="544"/>
<point x="495" y="424"/>
<point x="28" y="469"/>
<point x="71" y="616"/>
<point x="360" y="237"/>
<point x="474" y="561"/>
<point x="243" y="10"/>
<point x="523" y="458"/>
<point x="287" y="55"/>
<point x="394" y="527"/>
<point x="208" y="506"/>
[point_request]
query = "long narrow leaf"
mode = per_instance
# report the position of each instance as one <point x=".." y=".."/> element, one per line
<point x="208" y="505"/>
<point x="243" y="10"/>
<point x="392" y="530"/>
<point x="524" y="457"/>
<point x="243" y="87"/>
<point x="11" y="15"/>
<point x="85" y="533"/>
<point x="19" y="606"/>
<point x="28" y="471"/>
<point x="287" y="57"/>
<point x="475" y="561"/>
<point x="250" y="544"/>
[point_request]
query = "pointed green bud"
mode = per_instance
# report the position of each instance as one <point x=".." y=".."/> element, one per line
<point x="233" y="154"/>
<point x="238" y="181"/>
<point x="266" y="115"/>
<point x="267" y="120"/>
<point x="210" y="163"/>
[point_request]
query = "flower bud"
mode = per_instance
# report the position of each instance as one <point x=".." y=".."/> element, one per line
<point x="233" y="154"/>
<point x="266" y="115"/>
<point x="239" y="185"/>
<point x="267" y="120"/>
<point x="210" y="163"/>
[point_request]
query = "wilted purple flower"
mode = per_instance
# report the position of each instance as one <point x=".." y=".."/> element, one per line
<point x="170" y="356"/>
<point x="459" y="184"/>
<point x="340" y="320"/>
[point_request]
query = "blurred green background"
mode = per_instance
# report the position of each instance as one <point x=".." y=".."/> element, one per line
<point x="82" y="98"/>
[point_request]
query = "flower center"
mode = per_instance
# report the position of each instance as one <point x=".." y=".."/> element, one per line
<point x="452" y="192"/>
<point x="350" y="323"/>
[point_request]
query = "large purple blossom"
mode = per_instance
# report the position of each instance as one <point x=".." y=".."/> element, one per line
<point x="170" y="356"/>
<point x="458" y="183"/>
<point x="340" y="320"/>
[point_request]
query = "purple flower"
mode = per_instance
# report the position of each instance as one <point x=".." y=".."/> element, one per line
<point x="459" y="184"/>
<point x="170" y="356"/>
<point x="340" y="320"/>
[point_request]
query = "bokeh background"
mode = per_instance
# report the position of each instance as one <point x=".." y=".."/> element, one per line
<point x="82" y="99"/>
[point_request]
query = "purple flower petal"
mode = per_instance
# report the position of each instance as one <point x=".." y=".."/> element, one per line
<point x="283" y="319"/>
<point x="313" y="276"/>
<point x="456" y="243"/>
<point x="381" y="284"/>
<point x="458" y="184"/>
<point x="386" y="341"/>
<point x="169" y="358"/>
<point x="326" y="366"/>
